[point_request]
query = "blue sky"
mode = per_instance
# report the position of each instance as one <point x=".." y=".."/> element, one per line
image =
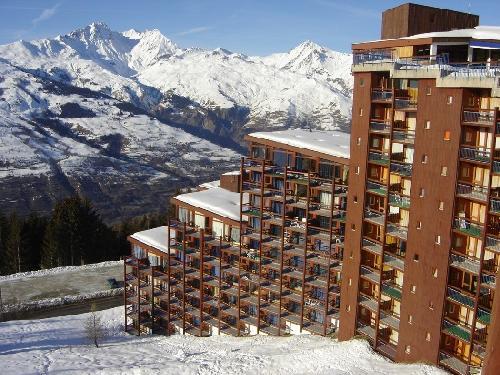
<point x="254" y="27"/>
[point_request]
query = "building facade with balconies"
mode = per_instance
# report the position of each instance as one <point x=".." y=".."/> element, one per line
<point x="261" y="253"/>
<point x="422" y="233"/>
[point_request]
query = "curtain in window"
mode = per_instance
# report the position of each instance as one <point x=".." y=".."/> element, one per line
<point x="217" y="228"/>
<point x="325" y="199"/>
<point x="183" y="215"/>
<point x="199" y="220"/>
<point x="235" y="234"/>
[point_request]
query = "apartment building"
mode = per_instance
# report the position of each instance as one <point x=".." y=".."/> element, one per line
<point x="258" y="253"/>
<point x="423" y="224"/>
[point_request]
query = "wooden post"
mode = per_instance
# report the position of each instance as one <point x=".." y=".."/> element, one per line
<point x="282" y="248"/>
<point x="239" y="256"/>
<point x="184" y="280"/>
<point x="124" y="292"/>
<point x="260" y="240"/>
<point x="202" y="254"/>
<point x="220" y="284"/>
<point x="306" y="237"/>
<point x="168" y="277"/>
<point x="329" y="252"/>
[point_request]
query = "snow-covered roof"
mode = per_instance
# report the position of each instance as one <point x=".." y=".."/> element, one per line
<point x="232" y="173"/>
<point x="156" y="237"/>
<point x="210" y="185"/>
<point x="217" y="200"/>
<point x="479" y="32"/>
<point x="334" y="143"/>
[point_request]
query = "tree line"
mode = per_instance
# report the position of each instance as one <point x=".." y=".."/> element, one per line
<point x="74" y="234"/>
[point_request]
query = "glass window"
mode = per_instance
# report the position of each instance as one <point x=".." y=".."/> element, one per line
<point x="280" y="158"/>
<point x="183" y="215"/>
<point x="199" y="220"/>
<point x="235" y="234"/>
<point x="258" y="152"/>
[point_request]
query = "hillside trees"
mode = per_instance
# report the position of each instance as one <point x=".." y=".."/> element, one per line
<point x="73" y="234"/>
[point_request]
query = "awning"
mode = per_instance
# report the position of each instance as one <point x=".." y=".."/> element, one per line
<point x="484" y="45"/>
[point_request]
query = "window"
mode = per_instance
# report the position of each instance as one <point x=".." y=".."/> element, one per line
<point x="361" y="112"/>
<point x="428" y="336"/>
<point x="444" y="171"/>
<point x="447" y="135"/>
<point x="438" y="240"/>
<point x="353" y="227"/>
<point x="427" y="125"/>
<point x="361" y="82"/>
<point x="355" y="199"/>
<point x="413" y="289"/>
<point x="450" y="100"/>
<point x="357" y="169"/>
<point x="348" y="308"/>
<point x="422" y="192"/>
<point x="428" y="91"/>
<point x="431" y="305"/>
<point x="435" y="273"/>
<point x="407" y="349"/>
<point x="358" y="141"/>
<point x="350" y="281"/>
<point x="441" y="205"/>
<point x="419" y="225"/>
<point x="416" y="257"/>
<point x="425" y="159"/>
<point x="351" y="255"/>
<point x="410" y="318"/>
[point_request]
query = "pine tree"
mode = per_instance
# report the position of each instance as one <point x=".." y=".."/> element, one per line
<point x="13" y="258"/>
<point x="32" y="235"/>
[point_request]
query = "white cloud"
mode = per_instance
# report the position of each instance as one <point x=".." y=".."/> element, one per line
<point x="46" y="14"/>
<point x="195" y="30"/>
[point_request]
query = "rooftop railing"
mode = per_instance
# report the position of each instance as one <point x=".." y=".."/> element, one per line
<point x="479" y="116"/>
<point x="435" y="62"/>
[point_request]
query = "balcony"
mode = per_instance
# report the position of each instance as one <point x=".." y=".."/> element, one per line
<point x="382" y="95"/>
<point x="475" y="154"/>
<point x="460" y="298"/>
<point x="406" y="137"/>
<point x="370" y="274"/>
<point x="404" y="170"/>
<point x="366" y="330"/>
<point x="492" y="244"/>
<point x="489" y="281"/>
<point x="374" y="217"/>
<point x="483" y="316"/>
<point x="389" y="320"/>
<point x="368" y="303"/>
<point x="372" y="247"/>
<point x="479" y="116"/>
<point x="399" y="201"/>
<point x="379" y="159"/>
<point x="495" y="206"/>
<point x="392" y="290"/>
<point x="473" y="192"/>
<point x="397" y="231"/>
<point x="394" y="262"/>
<point x="380" y="127"/>
<point x="375" y="188"/>
<point x="457" y="330"/>
<point x="453" y="363"/>
<point x="496" y="166"/>
<point x="465" y="263"/>
<point x="405" y="104"/>
<point x="467" y="227"/>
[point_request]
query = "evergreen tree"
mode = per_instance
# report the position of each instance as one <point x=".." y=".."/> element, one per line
<point x="32" y="235"/>
<point x="13" y="258"/>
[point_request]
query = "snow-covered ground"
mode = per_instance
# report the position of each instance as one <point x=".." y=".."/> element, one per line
<point x="57" y="345"/>
<point x="48" y="286"/>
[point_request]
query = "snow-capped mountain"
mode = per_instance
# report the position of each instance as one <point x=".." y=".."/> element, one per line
<point x="97" y="102"/>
